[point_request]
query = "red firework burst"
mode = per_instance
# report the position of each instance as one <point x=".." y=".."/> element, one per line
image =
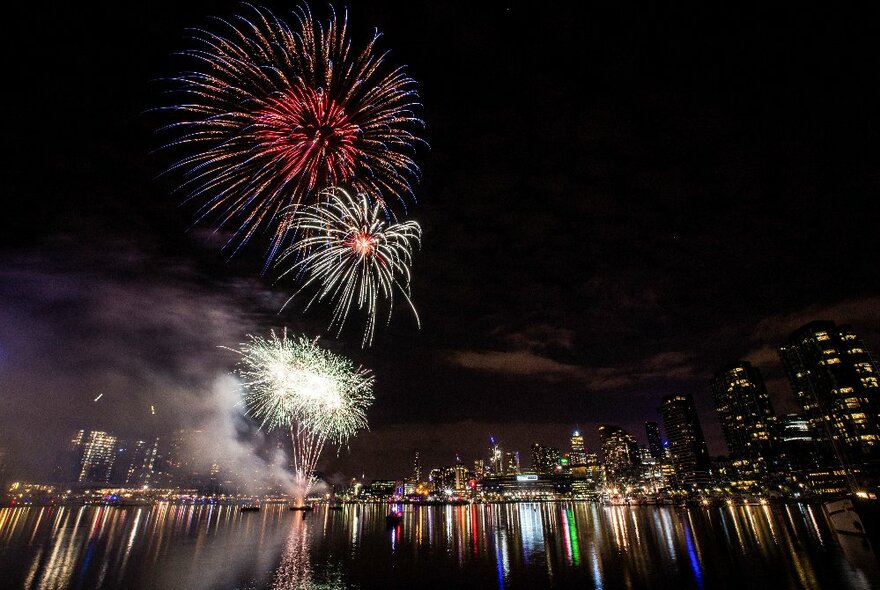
<point x="274" y="114"/>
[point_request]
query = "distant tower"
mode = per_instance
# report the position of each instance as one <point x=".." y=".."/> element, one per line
<point x="835" y="380"/>
<point x="690" y="456"/>
<point x="745" y="412"/>
<point x="655" y="443"/>
<point x="578" y="455"/>
<point x="417" y="469"/>
<point x="496" y="457"/>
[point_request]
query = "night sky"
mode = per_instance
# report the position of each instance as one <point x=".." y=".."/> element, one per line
<point x="615" y="203"/>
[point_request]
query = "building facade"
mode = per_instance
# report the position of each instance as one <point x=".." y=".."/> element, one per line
<point x="835" y="380"/>
<point x="687" y="445"/>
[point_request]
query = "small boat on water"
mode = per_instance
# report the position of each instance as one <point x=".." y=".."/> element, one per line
<point x="843" y="517"/>
<point x="303" y="508"/>
<point x="393" y="517"/>
<point x="250" y="508"/>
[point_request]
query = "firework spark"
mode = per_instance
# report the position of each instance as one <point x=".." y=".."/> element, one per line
<point x="318" y="395"/>
<point x="274" y="113"/>
<point x="354" y="254"/>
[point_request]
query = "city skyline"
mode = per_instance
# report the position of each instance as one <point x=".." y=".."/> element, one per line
<point x="825" y="362"/>
<point x="600" y="229"/>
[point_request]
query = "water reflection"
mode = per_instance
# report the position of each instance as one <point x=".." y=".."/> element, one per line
<point x="497" y="545"/>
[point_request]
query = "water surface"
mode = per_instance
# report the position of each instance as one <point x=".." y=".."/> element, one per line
<point x="574" y="544"/>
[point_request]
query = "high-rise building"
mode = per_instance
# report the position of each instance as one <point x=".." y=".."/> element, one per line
<point x="437" y="479"/>
<point x="511" y="463"/>
<point x="745" y="413"/>
<point x="459" y="477"/>
<point x="89" y="457"/>
<point x="417" y="469"/>
<point x="835" y="380"/>
<point x="496" y="457"/>
<point x="479" y="468"/>
<point x="134" y="462"/>
<point x="544" y="459"/>
<point x="802" y="461"/>
<point x="578" y="455"/>
<point x="793" y="428"/>
<point x="620" y="454"/>
<point x="655" y="443"/>
<point x="690" y="456"/>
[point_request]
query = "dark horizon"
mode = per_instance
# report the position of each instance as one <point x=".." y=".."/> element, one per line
<point x="614" y="205"/>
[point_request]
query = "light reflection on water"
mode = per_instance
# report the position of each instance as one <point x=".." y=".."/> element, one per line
<point x="499" y="545"/>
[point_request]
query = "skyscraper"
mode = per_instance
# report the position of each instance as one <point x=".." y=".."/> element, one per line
<point x="578" y="455"/>
<point x="655" y="443"/>
<point x="417" y="469"/>
<point x="690" y="456"/>
<point x="620" y="454"/>
<point x="479" y="468"/>
<point x="496" y="457"/>
<point x="745" y="412"/>
<point x="511" y="463"/>
<point x="835" y="381"/>
<point x="544" y="459"/>
<point x="134" y="462"/>
<point x="88" y="457"/>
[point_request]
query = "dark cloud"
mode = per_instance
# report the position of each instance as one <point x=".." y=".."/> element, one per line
<point x="666" y="366"/>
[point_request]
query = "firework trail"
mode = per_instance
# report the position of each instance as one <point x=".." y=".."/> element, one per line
<point x="273" y="113"/>
<point x="355" y="256"/>
<point x="317" y="395"/>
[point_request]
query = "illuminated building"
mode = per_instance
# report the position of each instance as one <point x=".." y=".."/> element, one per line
<point x="479" y="468"/>
<point x="417" y="469"/>
<point x="496" y="457"/>
<point x="530" y="486"/>
<point x="459" y="477"/>
<point x="544" y="459"/>
<point x="96" y="451"/>
<point x="380" y="489"/>
<point x="801" y="460"/>
<point x="690" y="456"/>
<point x="437" y="479"/>
<point x="655" y="443"/>
<point x="746" y="417"/>
<point x="620" y="455"/>
<point x="835" y="380"/>
<point x="511" y="463"/>
<point x="793" y="428"/>
<point x="134" y="463"/>
<point x="578" y="455"/>
<point x="587" y="478"/>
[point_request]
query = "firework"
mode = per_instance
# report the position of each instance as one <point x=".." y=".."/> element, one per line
<point x="273" y="113"/>
<point x="355" y="256"/>
<point x="317" y="395"/>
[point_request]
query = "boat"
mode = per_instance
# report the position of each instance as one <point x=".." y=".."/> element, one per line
<point x="249" y="508"/>
<point x="393" y="518"/>
<point x="303" y="508"/>
<point x="843" y="517"/>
